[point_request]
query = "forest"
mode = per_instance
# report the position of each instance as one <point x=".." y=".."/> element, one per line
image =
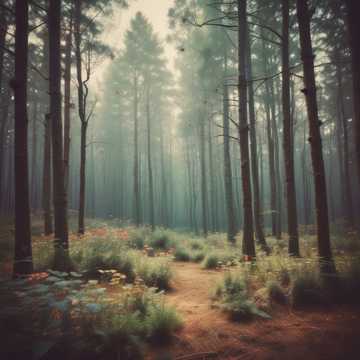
<point x="178" y="179"/>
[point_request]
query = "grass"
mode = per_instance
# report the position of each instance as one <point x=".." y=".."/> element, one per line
<point x="155" y="273"/>
<point x="182" y="254"/>
<point x="160" y="240"/>
<point x="233" y="297"/>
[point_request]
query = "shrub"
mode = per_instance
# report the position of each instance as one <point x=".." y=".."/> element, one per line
<point x="120" y="338"/>
<point x="234" y="299"/>
<point x="198" y="256"/>
<point x="307" y="290"/>
<point x="196" y="245"/>
<point x="136" y="241"/>
<point x="211" y="261"/>
<point x="160" y="239"/>
<point x="94" y="261"/>
<point x="350" y="283"/>
<point x="276" y="293"/>
<point x="161" y="323"/>
<point x="155" y="274"/>
<point x="181" y="255"/>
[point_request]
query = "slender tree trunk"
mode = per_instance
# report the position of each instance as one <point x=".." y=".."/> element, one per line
<point x="204" y="199"/>
<point x="23" y="253"/>
<point x="48" y="227"/>
<point x="213" y="189"/>
<point x="67" y="102"/>
<point x="228" y="183"/>
<point x="353" y="9"/>
<point x="150" y="171"/>
<point x="82" y="98"/>
<point x="164" y="196"/>
<point x="3" y="133"/>
<point x="306" y="206"/>
<point x="270" y="141"/>
<point x="275" y="129"/>
<point x="60" y="196"/>
<point x="248" y="232"/>
<point x="136" y="156"/>
<point x="33" y="191"/>
<point x="307" y="56"/>
<point x="254" y="163"/>
<point x="346" y="159"/>
<point x="3" y="31"/>
<point x="288" y="140"/>
<point x="81" y="224"/>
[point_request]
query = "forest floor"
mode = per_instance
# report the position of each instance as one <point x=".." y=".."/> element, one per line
<point x="327" y="334"/>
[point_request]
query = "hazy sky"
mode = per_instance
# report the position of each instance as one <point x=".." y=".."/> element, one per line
<point x="156" y="12"/>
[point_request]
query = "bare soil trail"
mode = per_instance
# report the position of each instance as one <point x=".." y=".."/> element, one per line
<point x="319" y="334"/>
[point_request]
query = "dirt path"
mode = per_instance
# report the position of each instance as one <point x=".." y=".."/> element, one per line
<point x="319" y="334"/>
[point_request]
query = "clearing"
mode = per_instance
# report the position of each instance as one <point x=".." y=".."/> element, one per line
<point x="326" y="334"/>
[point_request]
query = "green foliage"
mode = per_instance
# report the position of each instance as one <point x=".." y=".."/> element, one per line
<point x="136" y="241"/>
<point x="307" y="290"/>
<point x="155" y="273"/>
<point x="233" y="298"/>
<point x="95" y="260"/>
<point x="160" y="239"/>
<point x="276" y="293"/>
<point x="196" y="245"/>
<point x="198" y="256"/>
<point x="211" y="261"/>
<point x="161" y="323"/>
<point x="182" y="254"/>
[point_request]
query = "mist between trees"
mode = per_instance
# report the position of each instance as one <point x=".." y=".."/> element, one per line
<point x="256" y="129"/>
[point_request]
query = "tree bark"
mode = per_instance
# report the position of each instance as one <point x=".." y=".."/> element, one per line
<point x="353" y="10"/>
<point x="204" y="199"/>
<point x="288" y="138"/>
<point x="60" y="196"/>
<point x="270" y="142"/>
<point x="48" y="221"/>
<point x="67" y="102"/>
<point x="150" y="172"/>
<point x="81" y="219"/>
<point x="254" y="163"/>
<point x="324" y="249"/>
<point x="23" y="252"/>
<point x="3" y="132"/>
<point x="136" y="156"/>
<point x="248" y="245"/>
<point x="228" y="183"/>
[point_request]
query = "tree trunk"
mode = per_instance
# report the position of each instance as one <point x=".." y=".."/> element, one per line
<point x="228" y="183"/>
<point x="307" y="56"/>
<point x="48" y="227"/>
<point x="213" y="189"/>
<point x="346" y="159"/>
<point x="248" y="245"/>
<point x="136" y="156"/>
<point x="67" y="102"/>
<point x="23" y="253"/>
<point x="353" y="9"/>
<point x="204" y="199"/>
<point x="150" y="173"/>
<point x="254" y="163"/>
<point x="164" y="197"/>
<point x="3" y="31"/>
<point x="288" y="138"/>
<point x="275" y="129"/>
<point x="270" y="141"/>
<point x="81" y="219"/>
<point x="33" y="191"/>
<point x="3" y="133"/>
<point x="60" y="198"/>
